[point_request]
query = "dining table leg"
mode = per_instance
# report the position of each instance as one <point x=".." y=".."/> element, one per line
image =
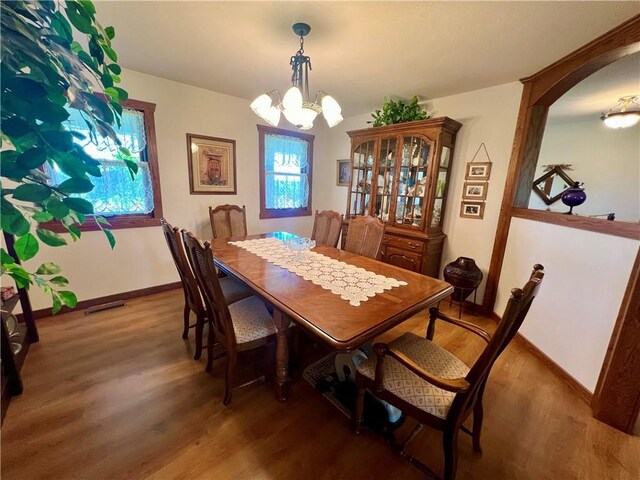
<point x="282" y="354"/>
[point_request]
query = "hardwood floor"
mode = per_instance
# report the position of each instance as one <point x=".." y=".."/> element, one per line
<point x="117" y="395"/>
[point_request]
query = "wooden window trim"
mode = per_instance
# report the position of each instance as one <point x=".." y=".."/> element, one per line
<point x="284" y="212"/>
<point x="134" y="220"/>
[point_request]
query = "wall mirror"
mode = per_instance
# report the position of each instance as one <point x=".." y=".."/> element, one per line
<point x="577" y="142"/>
<point x="552" y="184"/>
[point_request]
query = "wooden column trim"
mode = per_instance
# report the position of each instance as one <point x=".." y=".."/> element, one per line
<point x="616" y="400"/>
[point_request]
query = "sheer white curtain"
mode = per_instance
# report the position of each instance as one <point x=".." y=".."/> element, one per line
<point x="114" y="193"/>
<point x="286" y="172"/>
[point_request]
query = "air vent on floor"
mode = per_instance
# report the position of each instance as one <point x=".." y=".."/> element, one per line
<point x="104" y="306"/>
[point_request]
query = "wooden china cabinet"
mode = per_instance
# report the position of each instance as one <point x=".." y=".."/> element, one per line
<point x="400" y="174"/>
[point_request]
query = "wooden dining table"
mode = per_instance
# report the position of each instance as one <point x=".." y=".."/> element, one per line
<point x="322" y="313"/>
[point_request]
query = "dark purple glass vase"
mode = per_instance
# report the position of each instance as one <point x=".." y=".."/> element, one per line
<point x="574" y="196"/>
<point x="464" y="275"/>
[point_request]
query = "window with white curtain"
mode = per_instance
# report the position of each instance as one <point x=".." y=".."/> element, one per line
<point x="286" y="160"/>
<point x="116" y="195"/>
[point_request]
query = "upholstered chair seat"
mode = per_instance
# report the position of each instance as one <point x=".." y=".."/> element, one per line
<point x="251" y="320"/>
<point x="408" y="386"/>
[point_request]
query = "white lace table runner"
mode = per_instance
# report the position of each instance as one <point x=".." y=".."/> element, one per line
<point x="352" y="283"/>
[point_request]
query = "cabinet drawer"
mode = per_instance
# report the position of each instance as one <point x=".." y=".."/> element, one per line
<point x="405" y="243"/>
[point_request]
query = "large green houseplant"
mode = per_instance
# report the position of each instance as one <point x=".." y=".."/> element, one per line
<point x="398" y="112"/>
<point x="45" y="72"/>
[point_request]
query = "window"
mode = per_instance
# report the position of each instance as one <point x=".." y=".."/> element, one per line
<point x="286" y="161"/>
<point x="122" y="201"/>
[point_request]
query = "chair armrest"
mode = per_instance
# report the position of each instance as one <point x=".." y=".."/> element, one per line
<point x="457" y="385"/>
<point x="434" y="314"/>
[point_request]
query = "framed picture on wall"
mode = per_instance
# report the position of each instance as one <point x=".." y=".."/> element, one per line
<point x="212" y="165"/>
<point x="478" y="171"/>
<point x="343" y="173"/>
<point x="475" y="191"/>
<point x="471" y="209"/>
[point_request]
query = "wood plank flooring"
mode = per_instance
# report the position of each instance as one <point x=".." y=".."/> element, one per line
<point x="117" y="395"/>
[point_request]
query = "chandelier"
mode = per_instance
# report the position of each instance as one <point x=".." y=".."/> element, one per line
<point x="620" y="115"/>
<point x="296" y="104"/>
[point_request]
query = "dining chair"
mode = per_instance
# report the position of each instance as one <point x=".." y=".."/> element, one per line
<point x="239" y="327"/>
<point x="364" y="236"/>
<point x="432" y="385"/>
<point x="228" y="221"/>
<point x="327" y="226"/>
<point x="232" y="290"/>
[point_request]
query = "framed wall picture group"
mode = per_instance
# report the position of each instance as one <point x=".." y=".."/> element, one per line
<point x="475" y="188"/>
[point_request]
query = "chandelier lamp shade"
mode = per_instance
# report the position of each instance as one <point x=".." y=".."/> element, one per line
<point x="296" y="104"/>
<point x="626" y="113"/>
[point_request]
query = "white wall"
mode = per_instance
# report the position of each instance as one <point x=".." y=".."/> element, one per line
<point x="586" y="275"/>
<point x="141" y="258"/>
<point x="488" y="115"/>
<point x="606" y="160"/>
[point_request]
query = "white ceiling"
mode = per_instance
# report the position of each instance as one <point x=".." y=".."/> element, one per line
<point x="600" y="91"/>
<point x="360" y="51"/>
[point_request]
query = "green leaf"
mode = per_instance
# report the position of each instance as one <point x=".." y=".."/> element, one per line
<point x="74" y="231"/>
<point x="15" y="127"/>
<point x="25" y="87"/>
<point x="110" y="53"/>
<point x="15" y="224"/>
<point x="110" y="237"/>
<point x="106" y="80"/>
<point x="122" y="94"/>
<point x="81" y="23"/>
<point x="50" y="238"/>
<point x="76" y="47"/>
<point x="59" y="280"/>
<point x="68" y="298"/>
<point x="48" y="269"/>
<point x="111" y="33"/>
<point x="76" y="185"/>
<point x="79" y="205"/>
<point x="26" y="247"/>
<point x="32" y="192"/>
<point x="56" y="208"/>
<point x="5" y="257"/>
<point x="101" y="220"/>
<point x="42" y="217"/>
<point x="32" y="158"/>
<point x="57" y="304"/>
<point x="19" y="275"/>
<point x="114" y="67"/>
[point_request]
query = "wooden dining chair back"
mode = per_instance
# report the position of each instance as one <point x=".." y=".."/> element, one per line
<point x="201" y="261"/>
<point x="364" y="236"/>
<point x="228" y="221"/>
<point x="192" y="299"/>
<point x="240" y="326"/>
<point x="444" y="391"/>
<point x="327" y="226"/>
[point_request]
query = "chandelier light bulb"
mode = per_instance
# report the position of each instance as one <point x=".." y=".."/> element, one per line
<point x="292" y="99"/>
<point x="261" y="105"/>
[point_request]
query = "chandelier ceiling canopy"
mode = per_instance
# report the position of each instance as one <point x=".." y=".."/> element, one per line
<point x="296" y="104"/>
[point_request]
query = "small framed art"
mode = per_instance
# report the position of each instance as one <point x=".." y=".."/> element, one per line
<point x="342" y="173"/>
<point x="478" y="171"/>
<point x="212" y="165"/>
<point x="472" y="209"/>
<point x="475" y="191"/>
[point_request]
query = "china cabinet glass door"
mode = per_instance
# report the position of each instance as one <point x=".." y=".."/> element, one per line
<point x="412" y="181"/>
<point x="385" y="177"/>
<point x="361" y="178"/>
<point x="441" y="187"/>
